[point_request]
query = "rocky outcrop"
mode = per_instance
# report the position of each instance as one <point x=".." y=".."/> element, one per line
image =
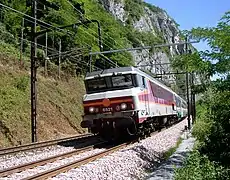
<point x="116" y="8"/>
<point x="159" y="24"/>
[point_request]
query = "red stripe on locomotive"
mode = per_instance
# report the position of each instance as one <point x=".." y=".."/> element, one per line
<point x="114" y="102"/>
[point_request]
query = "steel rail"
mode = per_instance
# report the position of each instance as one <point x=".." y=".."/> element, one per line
<point x="30" y="165"/>
<point x="75" y="164"/>
<point x="31" y="146"/>
<point x="55" y="171"/>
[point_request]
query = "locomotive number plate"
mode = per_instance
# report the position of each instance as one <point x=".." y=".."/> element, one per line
<point x="108" y="109"/>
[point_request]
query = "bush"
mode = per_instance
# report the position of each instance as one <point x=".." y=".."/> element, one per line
<point x="202" y="128"/>
<point x="6" y="36"/>
<point x="217" y="143"/>
<point x="153" y="8"/>
<point x="212" y="128"/>
<point x="135" y="9"/>
<point x="200" y="167"/>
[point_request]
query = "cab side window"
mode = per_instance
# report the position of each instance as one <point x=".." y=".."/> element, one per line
<point x="143" y="82"/>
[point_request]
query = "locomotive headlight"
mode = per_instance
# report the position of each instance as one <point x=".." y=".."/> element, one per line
<point x="91" y="109"/>
<point x="123" y="106"/>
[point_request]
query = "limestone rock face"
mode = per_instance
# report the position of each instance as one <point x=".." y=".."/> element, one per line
<point x="116" y="8"/>
<point x="159" y="24"/>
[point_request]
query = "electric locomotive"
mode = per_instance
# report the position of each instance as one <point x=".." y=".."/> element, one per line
<point x="126" y="100"/>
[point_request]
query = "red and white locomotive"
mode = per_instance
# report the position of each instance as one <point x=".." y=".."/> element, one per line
<point x="127" y="100"/>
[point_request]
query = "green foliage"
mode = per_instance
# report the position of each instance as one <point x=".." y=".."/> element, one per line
<point x="14" y="105"/>
<point x="11" y="19"/>
<point x="212" y="127"/>
<point x="217" y="143"/>
<point x="198" y="167"/>
<point x="202" y="128"/>
<point x="219" y="41"/>
<point x="57" y="107"/>
<point x="22" y="83"/>
<point x="9" y="52"/>
<point x="168" y="153"/>
<point x="8" y="49"/>
<point x="114" y="34"/>
<point x="135" y="9"/>
<point x="193" y="62"/>
<point x="215" y="130"/>
<point x="212" y="130"/>
<point x="5" y="36"/>
<point x="153" y="8"/>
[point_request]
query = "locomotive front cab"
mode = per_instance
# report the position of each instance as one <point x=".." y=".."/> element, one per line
<point x="110" y="102"/>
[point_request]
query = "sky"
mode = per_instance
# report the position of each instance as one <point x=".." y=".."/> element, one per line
<point x="194" y="13"/>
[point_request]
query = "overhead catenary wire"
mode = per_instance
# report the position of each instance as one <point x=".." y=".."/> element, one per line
<point x="91" y="21"/>
<point x="95" y="31"/>
<point x="34" y="18"/>
<point x="37" y="20"/>
<point x="162" y="68"/>
<point x="67" y="55"/>
<point x="30" y="17"/>
<point x="42" y="46"/>
<point x="77" y="37"/>
<point x="87" y="45"/>
<point x="110" y="36"/>
<point x="103" y="42"/>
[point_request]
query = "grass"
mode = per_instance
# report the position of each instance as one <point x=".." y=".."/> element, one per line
<point x="59" y="106"/>
<point x="168" y="153"/>
<point x="9" y="52"/>
<point x="14" y="104"/>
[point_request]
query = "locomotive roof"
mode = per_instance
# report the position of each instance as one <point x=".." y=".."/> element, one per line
<point x="111" y="71"/>
<point x="125" y="70"/>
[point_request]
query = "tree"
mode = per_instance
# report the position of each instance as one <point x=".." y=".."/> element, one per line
<point x="216" y="144"/>
<point x="218" y="38"/>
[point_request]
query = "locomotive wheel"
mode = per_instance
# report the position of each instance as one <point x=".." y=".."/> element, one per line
<point x="131" y="130"/>
<point x="93" y="130"/>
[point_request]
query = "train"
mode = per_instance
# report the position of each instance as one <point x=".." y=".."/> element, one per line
<point x="127" y="101"/>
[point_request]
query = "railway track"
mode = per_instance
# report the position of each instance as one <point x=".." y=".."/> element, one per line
<point x="75" y="164"/>
<point x="33" y="146"/>
<point x="53" y="171"/>
<point x="20" y="168"/>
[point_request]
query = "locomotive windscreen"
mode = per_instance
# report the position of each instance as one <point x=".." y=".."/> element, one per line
<point x="110" y="83"/>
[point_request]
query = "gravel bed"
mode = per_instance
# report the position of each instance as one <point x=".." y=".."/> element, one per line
<point x="30" y="156"/>
<point x="132" y="162"/>
<point x="129" y="163"/>
<point x="20" y="158"/>
<point x="166" y="170"/>
<point x="39" y="169"/>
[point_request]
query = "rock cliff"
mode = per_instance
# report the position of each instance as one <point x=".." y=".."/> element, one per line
<point x="154" y="20"/>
